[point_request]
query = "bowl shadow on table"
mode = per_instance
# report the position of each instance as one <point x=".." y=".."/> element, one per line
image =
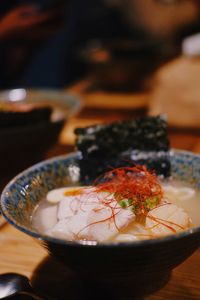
<point x="51" y="278"/>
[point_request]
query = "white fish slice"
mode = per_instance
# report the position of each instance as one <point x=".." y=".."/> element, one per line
<point x="166" y="219"/>
<point x="105" y="223"/>
<point x="71" y="228"/>
<point x="72" y="205"/>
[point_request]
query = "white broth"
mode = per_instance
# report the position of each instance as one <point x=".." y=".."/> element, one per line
<point x="82" y="213"/>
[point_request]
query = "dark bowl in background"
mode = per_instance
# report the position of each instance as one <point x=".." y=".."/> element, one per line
<point x="135" y="268"/>
<point x="26" y="142"/>
<point x="123" y="64"/>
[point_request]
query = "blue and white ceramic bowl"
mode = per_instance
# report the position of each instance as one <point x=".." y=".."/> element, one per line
<point x="145" y="264"/>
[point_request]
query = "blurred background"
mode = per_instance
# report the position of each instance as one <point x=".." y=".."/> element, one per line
<point x="45" y="43"/>
<point x="73" y="63"/>
<point x="119" y="58"/>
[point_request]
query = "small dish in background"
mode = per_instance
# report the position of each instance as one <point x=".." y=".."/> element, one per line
<point x="123" y="65"/>
<point x="30" y="124"/>
<point x="176" y="93"/>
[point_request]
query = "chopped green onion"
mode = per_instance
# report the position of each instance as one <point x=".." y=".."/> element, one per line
<point x="123" y="203"/>
<point x="130" y="201"/>
<point x="150" y="203"/>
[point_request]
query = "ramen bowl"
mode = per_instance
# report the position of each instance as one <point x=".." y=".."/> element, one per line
<point x="140" y="266"/>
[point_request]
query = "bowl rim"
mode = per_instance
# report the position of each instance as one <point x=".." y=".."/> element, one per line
<point x="45" y="238"/>
<point x="47" y="95"/>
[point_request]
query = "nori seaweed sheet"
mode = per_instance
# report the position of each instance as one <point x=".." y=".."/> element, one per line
<point x="142" y="141"/>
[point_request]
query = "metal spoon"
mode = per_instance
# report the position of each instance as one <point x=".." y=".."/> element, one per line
<point x="12" y="284"/>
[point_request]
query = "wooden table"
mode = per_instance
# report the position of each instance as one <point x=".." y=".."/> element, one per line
<point x="20" y="253"/>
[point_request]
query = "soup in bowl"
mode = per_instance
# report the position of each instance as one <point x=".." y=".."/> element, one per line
<point x="31" y="203"/>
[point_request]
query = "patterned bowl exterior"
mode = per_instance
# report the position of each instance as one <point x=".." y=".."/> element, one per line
<point x="136" y="263"/>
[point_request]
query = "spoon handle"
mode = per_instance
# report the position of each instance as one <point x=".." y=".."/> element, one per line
<point x="36" y="297"/>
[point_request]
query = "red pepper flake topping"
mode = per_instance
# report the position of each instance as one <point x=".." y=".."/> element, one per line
<point x="134" y="187"/>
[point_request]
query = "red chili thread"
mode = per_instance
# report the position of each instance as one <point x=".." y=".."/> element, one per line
<point x="135" y="183"/>
<point x="161" y="223"/>
<point x="97" y="222"/>
<point x="167" y="221"/>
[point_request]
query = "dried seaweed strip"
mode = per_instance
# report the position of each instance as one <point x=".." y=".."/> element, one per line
<point x="142" y="141"/>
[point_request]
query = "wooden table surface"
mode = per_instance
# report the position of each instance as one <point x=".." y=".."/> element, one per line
<point x="20" y="253"/>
